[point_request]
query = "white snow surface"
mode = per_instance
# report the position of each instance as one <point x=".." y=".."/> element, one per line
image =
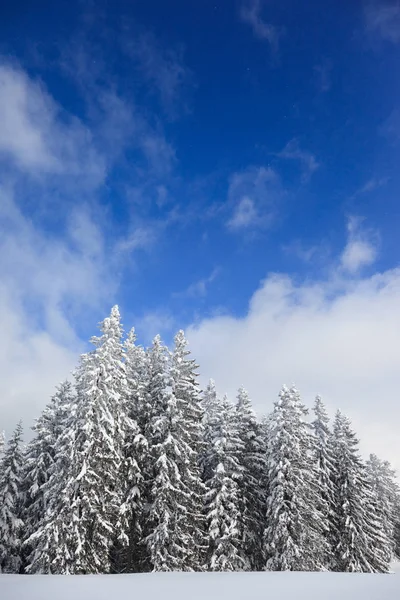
<point x="200" y="586"/>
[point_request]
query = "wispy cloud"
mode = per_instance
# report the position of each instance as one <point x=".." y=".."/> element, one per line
<point x="317" y="253"/>
<point x="48" y="284"/>
<point x="251" y="14"/>
<point x="157" y="322"/>
<point x="40" y="138"/>
<point x="308" y="161"/>
<point x="159" y="153"/>
<point x="141" y="238"/>
<point x="382" y="17"/>
<point x="55" y="272"/>
<point x="245" y="214"/>
<point x="361" y="249"/>
<point x="253" y="195"/>
<point x="163" y="68"/>
<point x="199" y="288"/>
<point x="369" y="186"/>
<point x="118" y="121"/>
<point x="323" y="76"/>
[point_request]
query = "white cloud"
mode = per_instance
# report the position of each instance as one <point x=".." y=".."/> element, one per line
<point x="199" y="288"/>
<point x="47" y="285"/>
<point x="382" y="17"/>
<point x="361" y="248"/>
<point x="253" y="194"/>
<point x="153" y="323"/>
<point x="159" y="153"/>
<point x="357" y="254"/>
<point x="35" y="138"/>
<point x="113" y="124"/>
<point x="245" y="214"/>
<point x="32" y="363"/>
<point x="318" y="253"/>
<point x="141" y="238"/>
<point x="370" y="186"/>
<point x="163" y="68"/>
<point x="307" y="160"/>
<point x="250" y="13"/>
<point x="338" y="338"/>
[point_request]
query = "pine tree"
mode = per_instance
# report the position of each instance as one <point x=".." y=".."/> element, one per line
<point x="129" y="554"/>
<point x="252" y="459"/>
<point x="386" y="493"/>
<point x="186" y="391"/>
<point x="166" y="549"/>
<point x="361" y="544"/>
<point x="223" y="497"/>
<point x="40" y="458"/>
<point x="82" y="518"/>
<point x="51" y="544"/>
<point x="96" y="485"/>
<point x="175" y="437"/>
<point x="323" y="462"/>
<point x="294" y="532"/>
<point x="10" y="504"/>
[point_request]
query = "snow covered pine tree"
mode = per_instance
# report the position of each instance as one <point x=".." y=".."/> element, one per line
<point x="39" y="466"/>
<point x="186" y="391"/>
<point x="174" y="436"/>
<point x="223" y="497"/>
<point x="11" y="504"/>
<point x="361" y="544"/>
<point x="82" y="516"/>
<point x="128" y="554"/>
<point x="382" y="478"/>
<point x="252" y="459"/>
<point x="293" y="536"/>
<point x="323" y="462"/>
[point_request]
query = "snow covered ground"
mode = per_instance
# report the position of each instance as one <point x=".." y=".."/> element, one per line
<point x="200" y="586"/>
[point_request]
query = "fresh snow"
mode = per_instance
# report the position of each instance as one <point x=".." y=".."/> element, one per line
<point x="197" y="586"/>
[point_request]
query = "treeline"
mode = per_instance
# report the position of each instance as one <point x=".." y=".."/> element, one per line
<point x="132" y="468"/>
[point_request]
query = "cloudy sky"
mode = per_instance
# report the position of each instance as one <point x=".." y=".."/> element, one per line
<point x="230" y="168"/>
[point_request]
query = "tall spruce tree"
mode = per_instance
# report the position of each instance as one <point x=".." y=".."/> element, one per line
<point x="323" y="463"/>
<point x="294" y="532"/>
<point x="11" y="504"/>
<point x="83" y="515"/>
<point x="95" y="482"/>
<point x="40" y="458"/>
<point x="386" y="493"/>
<point x="129" y="554"/>
<point x="174" y="434"/>
<point x="51" y="544"/>
<point x="166" y="548"/>
<point x="224" y="496"/>
<point x="361" y="543"/>
<point x="252" y="459"/>
<point x="189" y="431"/>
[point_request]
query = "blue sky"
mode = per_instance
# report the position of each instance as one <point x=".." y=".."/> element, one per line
<point x="194" y="162"/>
